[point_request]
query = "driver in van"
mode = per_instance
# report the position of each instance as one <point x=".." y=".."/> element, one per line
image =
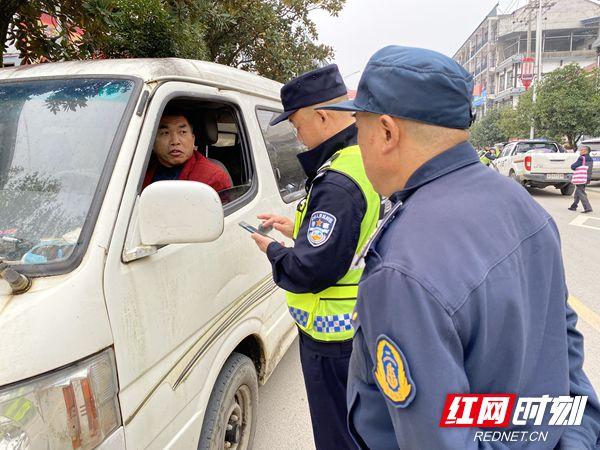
<point x="176" y="157"/>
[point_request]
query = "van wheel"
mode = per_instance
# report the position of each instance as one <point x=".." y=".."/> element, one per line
<point x="567" y="189"/>
<point x="230" y="419"/>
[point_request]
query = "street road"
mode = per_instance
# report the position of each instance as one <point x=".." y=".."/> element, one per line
<point x="284" y="422"/>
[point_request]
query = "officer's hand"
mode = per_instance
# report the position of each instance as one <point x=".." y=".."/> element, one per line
<point x="263" y="242"/>
<point x="282" y="224"/>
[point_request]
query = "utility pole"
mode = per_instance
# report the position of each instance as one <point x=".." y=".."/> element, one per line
<point x="530" y="6"/>
<point x="539" y="39"/>
<point x="529" y="35"/>
<point x="598" y="49"/>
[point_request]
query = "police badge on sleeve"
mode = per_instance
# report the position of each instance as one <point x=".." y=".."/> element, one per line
<point x="392" y="373"/>
<point x="320" y="228"/>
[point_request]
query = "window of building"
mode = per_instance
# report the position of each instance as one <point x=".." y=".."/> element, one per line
<point x="282" y="147"/>
<point x="511" y="49"/>
<point x="484" y="60"/>
<point x="523" y="45"/>
<point x="557" y="41"/>
<point x="583" y="39"/>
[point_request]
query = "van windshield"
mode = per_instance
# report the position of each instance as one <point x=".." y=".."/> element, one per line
<point x="55" y="136"/>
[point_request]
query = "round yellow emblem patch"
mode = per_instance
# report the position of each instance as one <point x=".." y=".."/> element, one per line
<point x="392" y="373"/>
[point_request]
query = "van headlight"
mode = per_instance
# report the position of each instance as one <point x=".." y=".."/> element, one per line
<point x="72" y="408"/>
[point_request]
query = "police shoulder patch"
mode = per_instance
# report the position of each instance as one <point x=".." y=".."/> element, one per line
<point x="320" y="228"/>
<point x="392" y="373"/>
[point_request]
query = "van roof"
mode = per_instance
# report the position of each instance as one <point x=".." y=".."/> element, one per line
<point x="161" y="69"/>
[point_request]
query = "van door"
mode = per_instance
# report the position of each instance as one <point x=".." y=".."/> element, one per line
<point x="159" y="304"/>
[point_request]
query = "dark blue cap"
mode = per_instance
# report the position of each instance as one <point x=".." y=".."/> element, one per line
<point x="311" y="88"/>
<point x="415" y="84"/>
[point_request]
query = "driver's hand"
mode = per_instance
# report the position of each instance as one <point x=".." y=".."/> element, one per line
<point x="282" y="224"/>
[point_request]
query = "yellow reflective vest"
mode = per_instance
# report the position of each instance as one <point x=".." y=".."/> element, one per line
<point x="327" y="315"/>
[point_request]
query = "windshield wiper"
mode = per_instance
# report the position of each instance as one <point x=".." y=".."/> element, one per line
<point x="18" y="282"/>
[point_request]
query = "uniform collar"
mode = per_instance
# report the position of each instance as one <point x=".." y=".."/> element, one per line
<point x="454" y="158"/>
<point x="312" y="160"/>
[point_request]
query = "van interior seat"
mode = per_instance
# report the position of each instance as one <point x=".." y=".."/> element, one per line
<point x="207" y="136"/>
<point x="230" y="151"/>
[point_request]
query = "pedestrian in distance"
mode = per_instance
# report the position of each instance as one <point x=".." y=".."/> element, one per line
<point x="442" y="309"/>
<point x="332" y="225"/>
<point x="581" y="178"/>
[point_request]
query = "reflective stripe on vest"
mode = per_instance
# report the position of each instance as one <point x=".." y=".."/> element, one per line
<point x="326" y="316"/>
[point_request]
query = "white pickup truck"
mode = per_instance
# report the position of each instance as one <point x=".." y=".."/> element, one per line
<point x="537" y="164"/>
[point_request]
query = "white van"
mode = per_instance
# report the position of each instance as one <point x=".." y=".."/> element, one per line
<point x="133" y="319"/>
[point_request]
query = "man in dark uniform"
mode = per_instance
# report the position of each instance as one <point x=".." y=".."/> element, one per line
<point x="333" y="223"/>
<point x="442" y="309"/>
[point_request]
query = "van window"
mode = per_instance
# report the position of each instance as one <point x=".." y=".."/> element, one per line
<point x="219" y="147"/>
<point x="283" y="146"/>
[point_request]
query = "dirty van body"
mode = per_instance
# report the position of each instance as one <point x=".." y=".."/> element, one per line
<point x="147" y="318"/>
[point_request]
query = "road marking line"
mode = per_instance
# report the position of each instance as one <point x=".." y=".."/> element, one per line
<point x="580" y="221"/>
<point x="589" y="316"/>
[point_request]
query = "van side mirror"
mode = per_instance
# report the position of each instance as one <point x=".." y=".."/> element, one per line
<point x="180" y="212"/>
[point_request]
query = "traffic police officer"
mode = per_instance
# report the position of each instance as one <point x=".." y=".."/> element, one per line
<point x="441" y="308"/>
<point x="332" y="225"/>
<point x="488" y="155"/>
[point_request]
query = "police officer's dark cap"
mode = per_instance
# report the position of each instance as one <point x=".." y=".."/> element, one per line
<point x="314" y="87"/>
<point x="415" y="84"/>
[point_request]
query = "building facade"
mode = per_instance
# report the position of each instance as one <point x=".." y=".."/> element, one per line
<point x="478" y="56"/>
<point x="569" y="32"/>
<point x="11" y="57"/>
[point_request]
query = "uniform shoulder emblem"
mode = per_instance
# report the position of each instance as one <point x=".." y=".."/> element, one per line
<point x="320" y="228"/>
<point x="392" y="373"/>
